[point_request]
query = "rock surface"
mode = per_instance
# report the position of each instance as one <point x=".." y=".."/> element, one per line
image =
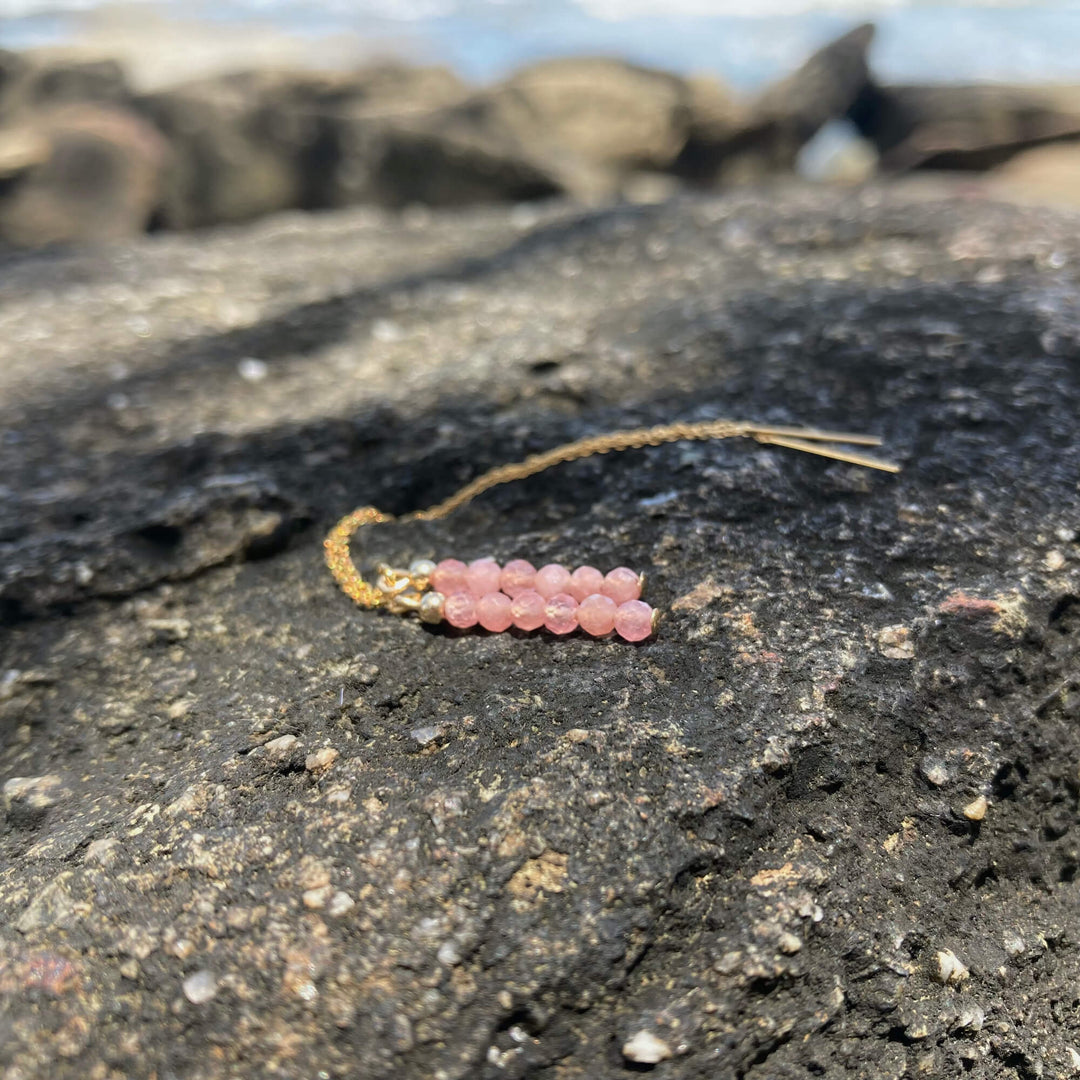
<point x="285" y="837"/>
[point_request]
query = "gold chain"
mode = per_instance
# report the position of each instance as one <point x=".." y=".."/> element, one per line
<point x="808" y="440"/>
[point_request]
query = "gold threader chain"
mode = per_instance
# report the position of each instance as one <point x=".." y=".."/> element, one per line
<point x="809" y="440"/>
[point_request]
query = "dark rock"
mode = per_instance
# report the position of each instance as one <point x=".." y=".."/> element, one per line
<point x="963" y="127"/>
<point x="78" y="173"/>
<point x="746" y="837"/>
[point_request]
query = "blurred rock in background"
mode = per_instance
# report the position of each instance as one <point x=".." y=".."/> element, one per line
<point x="85" y="155"/>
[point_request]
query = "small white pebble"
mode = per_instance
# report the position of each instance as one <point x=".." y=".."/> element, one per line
<point x="1014" y="944"/>
<point x="341" y="903"/>
<point x="976" y="809"/>
<point x="316" y="899"/>
<point x="936" y="773"/>
<point x="182" y="948"/>
<point x="896" y="643"/>
<point x="200" y="987"/>
<point x="281" y="746"/>
<point x="33" y="792"/>
<point x="1054" y="560"/>
<point x="321" y="760"/>
<point x="449" y="954"/>
<point x="951" y="969"/>
<point x="1074" y="1058"/>
<point x="386" y="331"/>
<point x="646" y="1049"/>
<point x="788" y="943"/>
<point x="251" y="369"/>
<point x="971" y="1018"/>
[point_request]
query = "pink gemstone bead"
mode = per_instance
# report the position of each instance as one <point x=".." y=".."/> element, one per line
<point x="552" y="580"/>
<point x="527" y="610"/>
<point x="517" y="576"/>
<point x="460" y="610"/>
<point x="596" y="614"/>
<point x="449" y="577"/>
<point x="585" y="581"/>
<point x="560" y="615"/>
<point x="633" y="620"/>
<point x="622" y="584"/>
<point x="493" y="612"/>
<point x="482" y="577"/>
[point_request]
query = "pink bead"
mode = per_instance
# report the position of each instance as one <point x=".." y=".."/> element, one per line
<point x="596" y="614"/>
<point x="585" y="581"/>
<point x="493" y="612"/>
<point x="459" y="610"/>
<point x="552" y="580"/>
<point x="560" y="615"/>
<point x="482" y="577"/>
<point x="633" y="620"/>
<point x="517" y="576"/>
<point x="622" y="584"/>
<point x="527" y="610"/>
<point x="449" y="577"/>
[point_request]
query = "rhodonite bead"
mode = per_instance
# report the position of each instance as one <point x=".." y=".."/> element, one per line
<point x="482" y="577"/>
<point x="552" y="580"/>
<point x="560" y="613"/>
<point x="448" y="577"/>
<point x="585" y="581"/>
<point x="459" y="609"/>
<point x="622" y="584"/>
<point x="493" y="612"/>
<point x="517" y="576"/>
<point x="633" y="620"/>
<point x="527" y="610"/>
<point x="596" y="614"/>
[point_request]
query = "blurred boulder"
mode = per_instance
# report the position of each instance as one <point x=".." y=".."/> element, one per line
<point x="449" y="157"/>
<point x="962" y="127"/>
<point x="255" y="142"/>
<point x="605" y="111"/>
<point x="78" y="173"/>
<point x="35" y="79"/>
<point x="230" y="157"/>
<point x="782" y="119"/>
<point x="600" y="124"/>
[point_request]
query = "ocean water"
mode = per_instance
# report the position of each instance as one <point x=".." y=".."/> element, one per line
<point x="746" y="42"/>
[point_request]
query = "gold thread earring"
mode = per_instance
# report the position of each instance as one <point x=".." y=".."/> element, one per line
<point x="553" y="597"/>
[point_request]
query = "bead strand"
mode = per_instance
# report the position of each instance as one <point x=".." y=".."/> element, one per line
<point x="519" y="595"/>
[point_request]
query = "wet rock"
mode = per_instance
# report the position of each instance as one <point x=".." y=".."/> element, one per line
<point x="644" y="1048"/>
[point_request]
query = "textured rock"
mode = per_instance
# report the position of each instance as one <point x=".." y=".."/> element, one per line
<point x="302" y="839"/>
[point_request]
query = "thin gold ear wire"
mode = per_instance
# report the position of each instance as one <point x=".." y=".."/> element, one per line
<point x="808" y="440"/>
